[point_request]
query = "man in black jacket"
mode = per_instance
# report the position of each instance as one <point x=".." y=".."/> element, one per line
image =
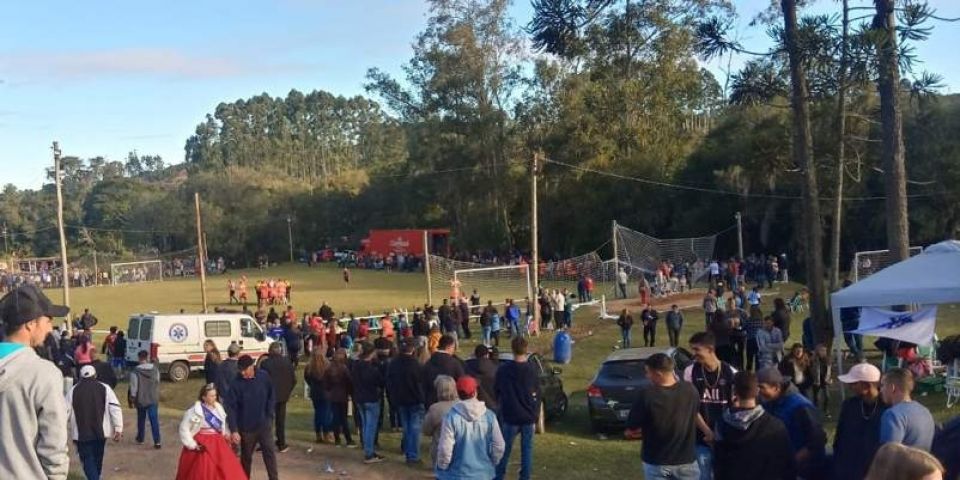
<point x="517" y="389"/>
<point x="367" y="380"/>
<point x="283" y="378"/>
<point x="484" y="369"/>
<point x="250" y="407"/>
<point x="750" y="442"/>
<point x="445" y="316"/>
<point x="443" y="362"/>
<point x="404" y="382"/>
<point x="228" y="370"/>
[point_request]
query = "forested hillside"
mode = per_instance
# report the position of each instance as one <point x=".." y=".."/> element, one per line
<point x="634" y="129"/>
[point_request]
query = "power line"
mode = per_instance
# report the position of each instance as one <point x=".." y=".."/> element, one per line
<point x="717" y="191"/>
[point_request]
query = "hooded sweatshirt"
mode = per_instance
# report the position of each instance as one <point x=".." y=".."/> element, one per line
<point x="470" y="444"/>
<point x="752" y="444"/>
<point x="145" y="385"/>
<point x="34" y="430"/>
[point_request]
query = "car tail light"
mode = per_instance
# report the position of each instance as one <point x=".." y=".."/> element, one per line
<point x="154" y="351"/>
<point x="594" y="392"/>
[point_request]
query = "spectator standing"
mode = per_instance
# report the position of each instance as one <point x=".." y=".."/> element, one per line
<point x="517" y="389"/>
<point x="664" y="415"/>
<point x="446" y="388"/>
<point x="713" y="379"/>
<point x="906" y="421"/>
<point x="211" y="362"/>
<point x="796" y="368"/>
<point x="313" y="376"/>
<point x="511" y="314"/>
<point x="95" y="415"/>
<point x="751" y="329"/>
<point x="807" y="437"/>
<point x="336" y="381"/>
<point x="228" y="370"/>
<point x="283" y="378"/>
<point x="709" y="307"/>
<point x="751" y="443"/>
<point x="145" y="396"/>
<point x="649" y="317"/>
<point x="470" y="444"/>
<point x="849" y="321"/>
<point x="250" y="407"/>
<point x="625" y="322"/>
<point x="821" y="377"/>
<point x="442" y="362"/>
<point x="447" y="321"/>
<point x="674" y="325"/>
<point x="622" y="282"/>
<point x="405" y="384"/>
<point x="769" y="345"/>
<point x="206" y="454"/>
<point x="781" y="317"/>
<point x="484" y="369"/>
<point x="858" y="426"/>
<point x="485" y="318"/>
<point x="367" y="380"/>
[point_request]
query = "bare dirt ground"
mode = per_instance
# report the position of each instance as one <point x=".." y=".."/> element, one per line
<point x="129" y="461"/>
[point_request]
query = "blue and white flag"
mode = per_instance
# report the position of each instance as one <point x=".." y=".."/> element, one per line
<point x="914" y="327"/>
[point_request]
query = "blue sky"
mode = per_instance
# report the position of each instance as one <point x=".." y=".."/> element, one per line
<point x="108" y="77"/>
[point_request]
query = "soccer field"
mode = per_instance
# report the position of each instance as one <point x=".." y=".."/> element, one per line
<point x="569" y="449"/>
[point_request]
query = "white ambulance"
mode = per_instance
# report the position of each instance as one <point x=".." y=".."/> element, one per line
<point x="176" y="341"/>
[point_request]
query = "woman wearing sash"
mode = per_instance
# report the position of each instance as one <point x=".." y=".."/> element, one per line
<point x="204" y="433"/>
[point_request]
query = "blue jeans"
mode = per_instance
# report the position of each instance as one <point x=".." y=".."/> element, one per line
<point x="705" y="462"/>
<point x="855" y="343"/>
<point x="689" y="471"/>
<point x="91" y="456"/>
<point x="486" y="336"/>
<point x="370" y="415"/>
<point x="625" y="335"/>
<point x="411" y="417"/>
<point x="142" y="414"/>
<point x="526" y="449"/>
<point x="322" y="416"/>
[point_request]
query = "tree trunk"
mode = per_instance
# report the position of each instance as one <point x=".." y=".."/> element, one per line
<point x="803" y="157"/>
<point x="841" y="153"/>
<point x="895" y="179"/>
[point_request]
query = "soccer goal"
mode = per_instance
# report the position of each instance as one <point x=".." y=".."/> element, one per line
<point x="496" y="283"/>
<point x="136" y="272"/>
<point x="870" y="262"/>
<point x="638" y="252"/>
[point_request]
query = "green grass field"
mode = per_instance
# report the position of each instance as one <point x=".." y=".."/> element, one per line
<point x="569" y="450"/>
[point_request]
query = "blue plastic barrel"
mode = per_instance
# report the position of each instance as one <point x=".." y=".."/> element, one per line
<point x="562" y="347"/>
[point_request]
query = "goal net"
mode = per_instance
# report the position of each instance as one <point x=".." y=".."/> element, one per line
<point x="496" y="283"/>
<point x="870" y="262"/>
<point x="639" y="253"/>
<point x="135" y="272"/>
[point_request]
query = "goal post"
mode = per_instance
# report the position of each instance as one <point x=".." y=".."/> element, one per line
<point x="639" y="253"/>
<point x="494" y="283"/>
<point x="136" y="272"/>
<point x="872" y="261"/>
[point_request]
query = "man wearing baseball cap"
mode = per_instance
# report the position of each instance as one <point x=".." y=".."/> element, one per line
<point x="95" y="416"/>
<point x="470" y="444"/>
<point x="802" y="419"/>
<point x="34" y="427"/>
<point x="858" y="426"/>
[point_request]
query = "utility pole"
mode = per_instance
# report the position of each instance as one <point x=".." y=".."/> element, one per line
<point x="6" y="248"/>
<point x="96" y="269"/>
<point x="739" y="236"/>
<point x="200" y="256"/>
<point x="613" y="240"/>
<point x="64" y="267"/>
<point x="290" y="236"/>
<point x="426" y="267"/>
<point x="534" y="241"/>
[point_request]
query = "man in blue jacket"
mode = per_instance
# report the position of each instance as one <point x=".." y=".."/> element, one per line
<point x="250" y="408"/>
<point x="518" y="391"/>
<point x="807" y="438"/>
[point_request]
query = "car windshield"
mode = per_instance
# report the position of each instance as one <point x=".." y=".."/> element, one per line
<point x="627" y="370"/>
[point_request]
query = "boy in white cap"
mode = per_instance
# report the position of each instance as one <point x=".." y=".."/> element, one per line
<point x="858" y="426"/>
<point x="95" y="415"/>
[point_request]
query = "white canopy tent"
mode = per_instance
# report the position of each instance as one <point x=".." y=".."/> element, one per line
<point x="930" y="278"/>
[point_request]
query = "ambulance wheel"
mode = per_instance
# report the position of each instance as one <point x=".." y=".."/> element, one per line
<point x="179" y="371"/>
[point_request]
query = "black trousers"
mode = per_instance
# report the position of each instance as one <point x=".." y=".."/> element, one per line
<point x="650" y="335"/>
<point x="674" y="335"/>
<point x="248" y="444"/>
<point x="466" y="327"/>
<point x="752" y="350"/>
<point x="340" y="425"/>
<point x="280" y="423"/>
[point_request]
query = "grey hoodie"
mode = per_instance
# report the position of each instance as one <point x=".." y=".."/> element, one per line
<point x="145" y="385"/>
<point x="33" y="433"/>
<point x="742" y="419"/>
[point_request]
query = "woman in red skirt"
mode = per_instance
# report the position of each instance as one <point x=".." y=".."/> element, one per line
<point x="206" y="454"/>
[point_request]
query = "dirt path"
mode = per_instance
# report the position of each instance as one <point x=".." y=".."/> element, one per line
<point x="128" y="461"/>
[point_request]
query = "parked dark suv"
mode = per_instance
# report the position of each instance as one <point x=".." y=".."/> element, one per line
<point x="553" y="400"/>
<point x="618" y="382"/>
